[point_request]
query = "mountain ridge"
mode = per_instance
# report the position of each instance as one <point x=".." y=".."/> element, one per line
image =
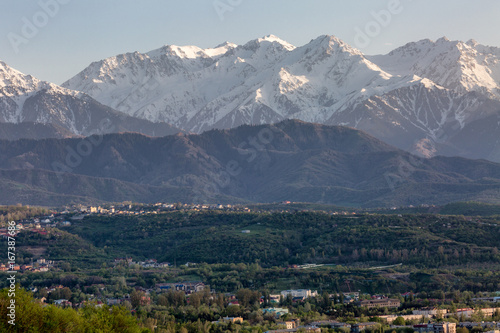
<point x="327" y="81"/>
<point x="291" y="160"/>
<point x="25" y="100"/>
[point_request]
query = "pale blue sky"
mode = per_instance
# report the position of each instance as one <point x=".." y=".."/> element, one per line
<point x="83" y="31"/>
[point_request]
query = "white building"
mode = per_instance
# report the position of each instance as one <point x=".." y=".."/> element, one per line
<point x="428" y="312"/>
<point x="305" y="293"/>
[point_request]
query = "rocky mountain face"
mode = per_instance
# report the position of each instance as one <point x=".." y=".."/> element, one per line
<point x="291" y="160"/>
<point x="424" y="97"/>
<point x="30" y="108"/>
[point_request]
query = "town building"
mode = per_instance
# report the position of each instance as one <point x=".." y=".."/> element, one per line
<point x="232" y="319"/>
<point x="428" y="312"/>
<point x="443" y="327"/>
<point x="466" y="312"/>
<point x="278" y="312"/>
<point x="356" y="328"/>
<point x="331" y="324"/>
<point x="289" y="324"/>
<point x="381" y="303"/>
<point x="303" y="293"/>
<point x="186" y="287"/>
<point x="308" y="329"/>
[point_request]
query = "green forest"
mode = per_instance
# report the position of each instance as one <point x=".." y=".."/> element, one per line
<point x="282" y="239"/>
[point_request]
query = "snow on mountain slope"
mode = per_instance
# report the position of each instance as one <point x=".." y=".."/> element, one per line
<point x="173" y="83"/>
<point x="135" y="83"/>
<point x="310" y="83"/>
<point x="461" y="66"/>
<point x="414" y="109"/>
<point x="26" y="100"/>
<point x="16" y="88"/>
<point x="408" y="97"/>
<point x="266" y="79"/>
<point x="430" y="120"/>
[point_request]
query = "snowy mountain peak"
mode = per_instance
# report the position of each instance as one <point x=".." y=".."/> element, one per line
<point x="472" y="43"/>
<point x="197" y="89"/>
<point x="191" y="51"/>
<point x="226" y="44"/>
<point x="188" y="51"/>
<point x="19" y="86"/>
<point x="327" y="45"/>
<point x="442" y="40"/>
<point x="333" y="40"/>
<point x="13" y="78"/>
<point x="53" y="111"/>
<point x="269" y="42"/>
<point x="220" y="49"/>
<point x="410" y="92"/>
<point x="456" y="65"/>
<point x="406" y="97"/>
<point x="275" y="39"/>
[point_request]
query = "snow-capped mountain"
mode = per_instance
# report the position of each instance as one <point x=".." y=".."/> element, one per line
<point x="418" y="97"/>
<point x="27" y="102"/>
<point x="455" y="65"/>
<point x="266" y="79"/>
<point x="16" y="90"/>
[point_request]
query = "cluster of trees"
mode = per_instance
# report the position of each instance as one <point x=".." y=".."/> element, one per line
<point x="276" y="239"/>
<point x="117" y="280"/>
<point x="173" y="311"/>
<point x="60" y="246"/>
<point x="470" y="209"/>
<point x="33" y="316"/>
<point x="280" y="239"/>
<point x="59" y="293"/>
<point x="19" y="212"/>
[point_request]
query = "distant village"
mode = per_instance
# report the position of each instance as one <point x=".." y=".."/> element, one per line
<point x="147" y="209"/>
<point x="65" y="216"/>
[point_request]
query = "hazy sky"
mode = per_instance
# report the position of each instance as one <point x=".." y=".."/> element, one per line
<point x="54" y="43"/>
